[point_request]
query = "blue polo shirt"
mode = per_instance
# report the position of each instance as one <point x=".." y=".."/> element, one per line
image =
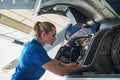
<point x="32" y="58"/>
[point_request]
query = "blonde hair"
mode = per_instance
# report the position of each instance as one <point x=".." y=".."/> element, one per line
<point x="42" y="27"/>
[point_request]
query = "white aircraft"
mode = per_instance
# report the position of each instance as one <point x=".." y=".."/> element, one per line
<point x="94" y="26"/>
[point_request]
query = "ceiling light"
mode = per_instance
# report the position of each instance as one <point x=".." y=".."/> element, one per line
<point x="1" y="0"/>
<point x="14" y="1"/>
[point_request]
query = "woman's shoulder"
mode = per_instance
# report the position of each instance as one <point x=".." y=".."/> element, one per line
<point x="33" y="44"/>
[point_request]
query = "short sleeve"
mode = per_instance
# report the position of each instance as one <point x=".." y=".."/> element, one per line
<point x="39" y="56"/>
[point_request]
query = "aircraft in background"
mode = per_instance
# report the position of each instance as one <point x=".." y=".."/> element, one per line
<point x="101" y="52"/>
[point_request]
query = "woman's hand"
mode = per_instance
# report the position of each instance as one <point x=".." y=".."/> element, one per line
<point x="78" y="66"/>
<point x="72" y="65"/>
<point x="61" y="68"/>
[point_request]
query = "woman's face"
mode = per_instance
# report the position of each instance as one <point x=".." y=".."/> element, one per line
<point x="51" y="37"/>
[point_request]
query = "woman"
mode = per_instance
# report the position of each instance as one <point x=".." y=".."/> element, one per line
<point x="34" y="59"/>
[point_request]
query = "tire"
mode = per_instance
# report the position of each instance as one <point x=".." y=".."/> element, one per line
<point x="115" y="52"/>
<point x="107" y="60"/>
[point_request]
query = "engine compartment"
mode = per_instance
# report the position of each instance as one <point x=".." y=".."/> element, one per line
<point x="100" y="52"/>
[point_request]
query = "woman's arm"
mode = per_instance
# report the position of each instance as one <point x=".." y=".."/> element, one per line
<point x="61" y="68"/>
<point x="67" y="65"/>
